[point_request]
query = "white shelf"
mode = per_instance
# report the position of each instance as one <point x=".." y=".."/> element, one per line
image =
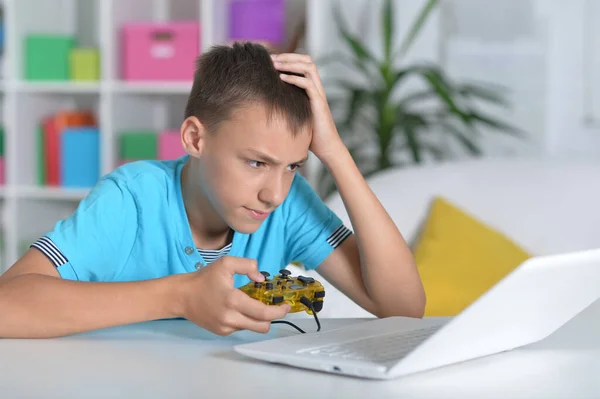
<point x="124" y="87"/>
<point x="54" y="87"/>
<point x="29" y="210"/>
<point x="38" y="192"/>
<point x="152" y="87"/>
<point x="41" y="193"/>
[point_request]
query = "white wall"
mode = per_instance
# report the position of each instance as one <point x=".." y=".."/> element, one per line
<point x="573" y="116"/>
<point x="546" y="52"/>
<point x="502" y="43"/>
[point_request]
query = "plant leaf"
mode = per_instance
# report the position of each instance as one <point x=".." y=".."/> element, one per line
<point x="417" y="96"/>
<point x="438" y="152"/>
<point x="325" y="182"/>
<point x="409" y="124"/>
<point x="470" y="90"/>
<point x="360" y="51"/>
<point x="416" y="27"/>
<point x="330" y="58"/>
<point x="357" y="99"/>
<point x="466" y="142"/>
<point x="504" y="127"/>
<point x="413" y="144"/>
<point x="438" y="83"/>
<point x="388" y="29"/>
<point x="414" y="119"/>
<point x="403" y="73"/>
<point x="347" y="84"/>
<point x="345" y="60"/>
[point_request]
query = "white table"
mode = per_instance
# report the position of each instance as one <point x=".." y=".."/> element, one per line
<point x="175" y="359"/>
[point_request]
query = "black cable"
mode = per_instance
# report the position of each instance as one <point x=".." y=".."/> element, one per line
<point x="289" y="323"/>
<point x="310" y="305"/>
<point x="316" y="318"/>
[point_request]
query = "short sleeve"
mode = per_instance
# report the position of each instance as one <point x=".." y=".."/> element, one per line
<point x="94" y="242"/>
<point x="312" y="230"/>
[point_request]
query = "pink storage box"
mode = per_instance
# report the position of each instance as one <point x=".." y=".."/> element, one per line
<point x="159" y="51"/>
<point x="169" y="145"/>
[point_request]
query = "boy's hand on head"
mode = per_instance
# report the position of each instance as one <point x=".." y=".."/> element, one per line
<point x="210" y="299"/>
<point x="326" y="141"/>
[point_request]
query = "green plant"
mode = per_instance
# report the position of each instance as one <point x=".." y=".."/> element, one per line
<point x="396" y="123"/>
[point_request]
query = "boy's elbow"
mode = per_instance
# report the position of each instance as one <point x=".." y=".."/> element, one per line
<point x="417" y="312"/>
<point x="414" y="308"/>
<point x="419" y="307"/>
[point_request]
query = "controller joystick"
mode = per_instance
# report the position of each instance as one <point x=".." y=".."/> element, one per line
<point x="284" y="273"/>
<point x="301" y="293"/>
<point x="265" y="274"/>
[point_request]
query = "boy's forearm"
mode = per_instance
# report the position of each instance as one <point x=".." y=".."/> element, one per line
<point x="389" y="273"/>
<point x="41" y="306"/>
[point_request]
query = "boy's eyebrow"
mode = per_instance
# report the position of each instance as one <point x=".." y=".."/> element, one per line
<point x="269" y="159"/>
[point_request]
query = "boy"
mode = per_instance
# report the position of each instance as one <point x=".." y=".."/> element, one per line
<point x="168" y="239"/>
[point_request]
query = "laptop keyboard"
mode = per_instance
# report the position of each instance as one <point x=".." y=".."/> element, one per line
<point x="379" y="348"/>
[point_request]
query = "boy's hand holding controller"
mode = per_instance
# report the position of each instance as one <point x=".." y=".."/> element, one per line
<point x="210" y="299"/>
<point x="36" y="303"/>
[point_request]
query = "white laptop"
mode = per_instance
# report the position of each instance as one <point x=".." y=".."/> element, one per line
<point x="533" y="301"/>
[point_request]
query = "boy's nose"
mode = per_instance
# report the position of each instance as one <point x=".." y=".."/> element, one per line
<point x="269" y="197"/>
<point x="272" y="193"/>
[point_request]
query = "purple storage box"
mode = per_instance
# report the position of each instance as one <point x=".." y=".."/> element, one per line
<point x="257" y="20"/>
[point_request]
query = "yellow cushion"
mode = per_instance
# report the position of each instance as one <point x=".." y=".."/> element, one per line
<point x="459" y="258"/>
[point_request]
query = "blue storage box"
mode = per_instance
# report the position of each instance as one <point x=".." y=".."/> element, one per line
<point x="80" y="157"/>
<point x="1" y="37"/>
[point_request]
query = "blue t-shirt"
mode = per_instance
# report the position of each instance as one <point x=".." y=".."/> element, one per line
<point x="133" y="226"/>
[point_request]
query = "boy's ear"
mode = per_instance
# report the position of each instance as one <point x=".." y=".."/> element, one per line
<point x="193" y="136"/>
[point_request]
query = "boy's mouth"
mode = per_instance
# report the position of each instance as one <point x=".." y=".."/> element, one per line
<point x="259" y="215"/>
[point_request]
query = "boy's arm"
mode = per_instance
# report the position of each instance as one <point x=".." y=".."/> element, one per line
<point x="374" y="267"/>
<point x="35" y="302"/>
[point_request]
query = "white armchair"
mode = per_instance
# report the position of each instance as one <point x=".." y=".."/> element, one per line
<point x="544" y="206"/>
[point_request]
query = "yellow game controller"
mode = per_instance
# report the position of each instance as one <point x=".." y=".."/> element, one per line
<point x="301" y="293"/>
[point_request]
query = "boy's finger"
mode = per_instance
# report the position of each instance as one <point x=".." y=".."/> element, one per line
<point x="287" y="57"/>
<point x="238" y="265"/>
<point x="296" y="67"/>
<point x="257" y="310"/>
<point x="299" y="81"/>
<point x="308" y="70"/>
<point x="243" y="322"/>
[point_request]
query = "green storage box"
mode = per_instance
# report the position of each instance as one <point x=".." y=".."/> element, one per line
<point x="85" y="64"/>
<point x="47" y="56"/>
<point x="138" y="144"/>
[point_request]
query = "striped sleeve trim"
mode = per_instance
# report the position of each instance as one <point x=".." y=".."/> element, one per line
<point x="48" y="248"/>
<point x="338" y="236"/>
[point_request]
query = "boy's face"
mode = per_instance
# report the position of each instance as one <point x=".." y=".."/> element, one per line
<point x="248" y="165"/>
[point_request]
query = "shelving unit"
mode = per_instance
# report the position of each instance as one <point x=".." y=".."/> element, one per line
<point x="29" y="210"/>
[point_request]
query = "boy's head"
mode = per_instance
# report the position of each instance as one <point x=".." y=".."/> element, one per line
<point x="247" y="131"/>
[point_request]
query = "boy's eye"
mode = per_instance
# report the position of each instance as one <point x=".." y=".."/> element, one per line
<point x="293" y="167"/>
<point x="255" y="164"/>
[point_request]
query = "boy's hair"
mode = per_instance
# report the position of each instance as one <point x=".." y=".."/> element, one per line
<point x="230" y="77"/>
